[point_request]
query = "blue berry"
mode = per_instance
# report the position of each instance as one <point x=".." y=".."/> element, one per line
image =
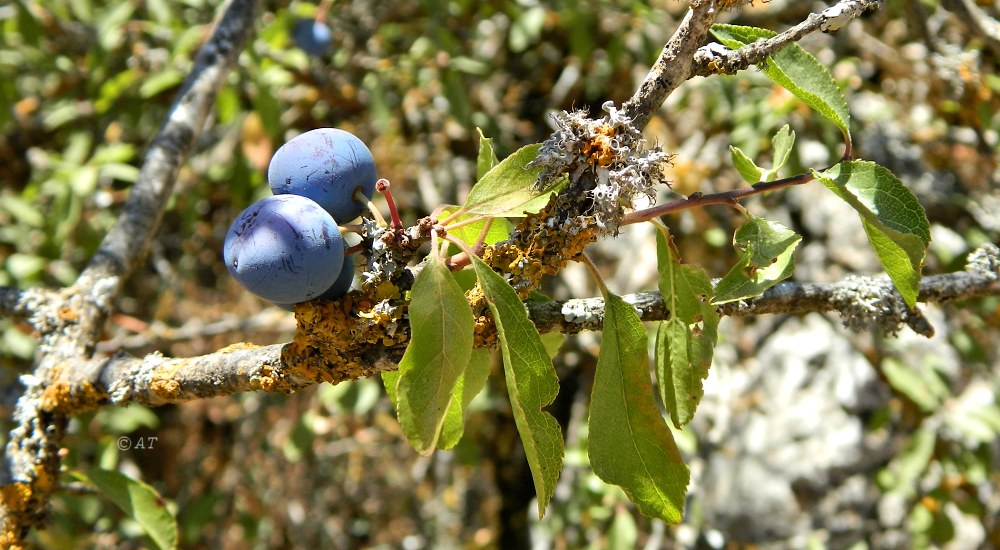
<point x="343" y="282"/>
<point x="327" y="165"/>
<point x="285" y="249"/>
<point x="313" y="37"/>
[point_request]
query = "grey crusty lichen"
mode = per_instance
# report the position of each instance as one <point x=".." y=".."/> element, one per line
<point x="612" y="149"/>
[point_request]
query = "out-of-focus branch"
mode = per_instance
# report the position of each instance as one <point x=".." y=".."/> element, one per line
<point x="863" y="303"/>
<point x="978" y="21"/>
<point x="717" y="59"/>
<point x="160" y="334"/>
<point x="69" y="326"/>
<point x="674" y="64"/>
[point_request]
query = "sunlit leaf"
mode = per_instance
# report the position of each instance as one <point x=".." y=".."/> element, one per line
<point x="140" y="502"/>
<point x="487" y="157"/>
<point x="766" y="249"/>
<point x="744" y="165"/>
<point x="781" y="145"/>
<point x="507" y="189"/>
<point x="797" y="71"/>
<point x="686" y="341"/>
<point x="531" y="382"/>
<point x="893" y="219"/>
<point x="499" y="229"/>
<point x="630" y="444"/>
<point x="437" y="356"/>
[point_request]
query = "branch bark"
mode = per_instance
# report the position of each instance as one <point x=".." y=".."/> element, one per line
<point x="70" y="325"/>
<point x="862" y="302"/>
<point x="674" y="64"/>
<point x="717" y="59"/>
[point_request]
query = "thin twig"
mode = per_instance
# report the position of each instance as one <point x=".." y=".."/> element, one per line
<point x="724" y="197"/>
<point x="717" y="59"/>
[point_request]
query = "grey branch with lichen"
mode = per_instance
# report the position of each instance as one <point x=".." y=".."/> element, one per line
<point x="718" y="59"/>
<point x="69" y="323"/>
<point x="864" y="303"/>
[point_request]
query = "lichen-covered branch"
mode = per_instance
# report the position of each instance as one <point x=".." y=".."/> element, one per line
<point x="18" y="303"/>
<point x="674" y="64"/>
<point x="717" y="59"/>
<point x="863" y="303"/>
<point x="69" y="324"/>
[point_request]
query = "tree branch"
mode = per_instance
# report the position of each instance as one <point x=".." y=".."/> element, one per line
<point x="978" y="21"/>
<point x="696" y="200"/>
<point x="863" y="303"/>
<point x="674" y="64"/>
<point x="717" y="59"/>
<point x="18" y="303"/>
<point x="69" y="327"/>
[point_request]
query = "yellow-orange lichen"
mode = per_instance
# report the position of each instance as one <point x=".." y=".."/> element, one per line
<point x="22" y="502"/>
<point x="332" y="337"/>
<point x="16" y="496"/>
<point x="267" y="380"/>
<point x="164" y="385"/>
<point x="71" y="398"/>
<point x="600" y="149"/>
<point x="386" y="291"/>
<point x="68" y="314"/>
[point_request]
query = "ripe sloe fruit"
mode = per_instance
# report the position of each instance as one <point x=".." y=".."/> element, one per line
<point x="327" y="165"/>
<point x="312" y="36"/>
<point x="285" y="249"/>
<point x="343" y="282"/>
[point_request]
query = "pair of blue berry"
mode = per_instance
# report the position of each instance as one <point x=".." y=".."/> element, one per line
<point x="287" y="248"/>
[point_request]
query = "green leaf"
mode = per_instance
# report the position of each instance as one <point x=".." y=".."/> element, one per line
<point x="160" y="82"/>
<point x="893" y="219"/>
<point x="797" y="71"/>
<point x="624" y="533"/>
<point x="745" y="165"/>
<point x="902" y="475"/>
<point x="507" y="189"/>
<point x="686" y="341"/>
<point x="472" y="381"/>
<point x="766" y="258"/>
<point x="487" y="158"/>
<point x="437" y="356"/>
<point x="781" y="145"/>
<point x="919" y="382"/>
<point x="531" y="381"/>
<point x="526" y="28"/>
<point x="140" y="502"/>
<point x="24" y="212"/>
<point x="499" y="229"/>
<point x="553" y="341"/>
<point x="390" y="379"/>
<point x="630" y="445"/>
<point x="979" y="422"/>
